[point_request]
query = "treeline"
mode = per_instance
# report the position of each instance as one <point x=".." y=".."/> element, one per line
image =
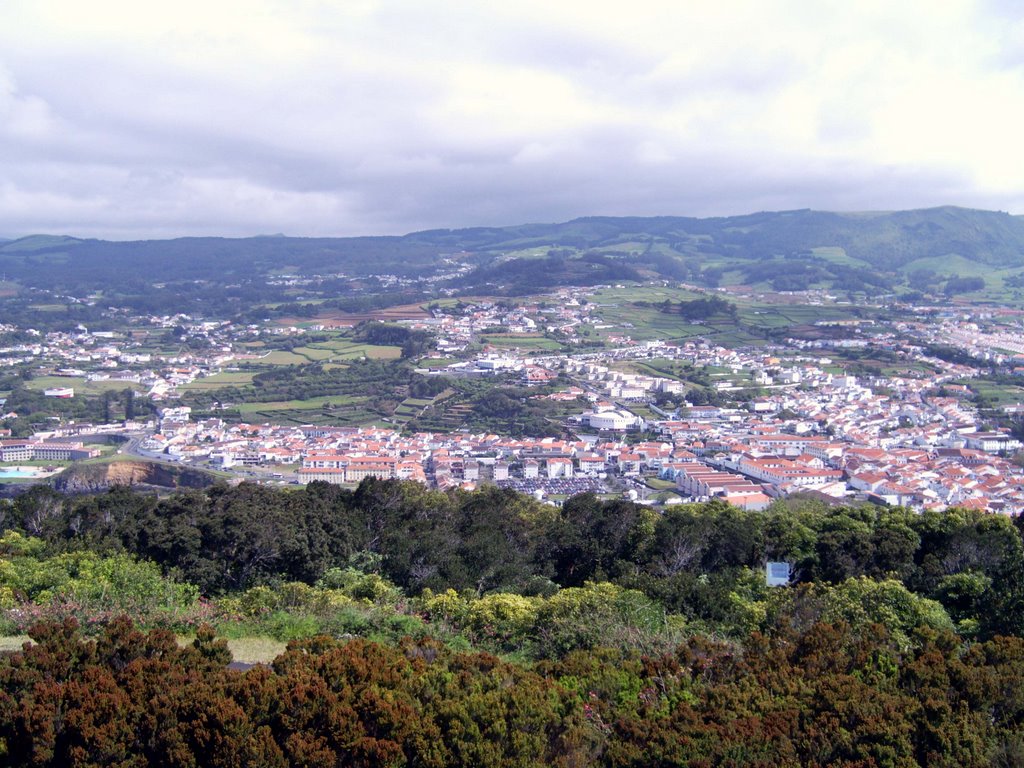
<point x="810" y="697"/>
<point x="801" y="272"/>
<point x="703" y="308"/>
<point x="956" y="355"/>
<point x="35" y="410"/>
<point x="701" y="562"/>
<point x="413" y="343"/>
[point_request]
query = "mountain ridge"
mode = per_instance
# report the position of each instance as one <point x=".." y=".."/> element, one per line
<point x="678" y="247"/>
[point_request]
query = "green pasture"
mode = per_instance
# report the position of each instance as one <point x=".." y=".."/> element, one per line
<point x="329" y="351"/>
<point x="435" y="362"/>
<point x="81" y="386"/>
<point x="951" y="264"/>
<point x="649" y="323"/>
<point x="522" y="341"/>
<point x="657" y="484"/>
<point x="652" y="293"/>
<point x="297" y="405"/>
<point x="338" y="410"/>
<point x="314" y="354"/>
<point x="221" y="380"/>
<point x="283" y="357"/>
<point x="346" y="349"/>
<point x="996" y="393"/>
<point x="837" y="255"/>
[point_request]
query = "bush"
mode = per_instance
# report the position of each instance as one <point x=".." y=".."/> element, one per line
<point x="370" y="587"/>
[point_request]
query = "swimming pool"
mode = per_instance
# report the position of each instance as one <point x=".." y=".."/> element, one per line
<point x="19" y="473"/>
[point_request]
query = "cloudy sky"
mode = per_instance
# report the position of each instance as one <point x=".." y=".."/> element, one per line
<point x="144" y="119"/>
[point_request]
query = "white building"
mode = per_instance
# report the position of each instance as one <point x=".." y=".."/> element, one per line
<point x="614" y="420"/>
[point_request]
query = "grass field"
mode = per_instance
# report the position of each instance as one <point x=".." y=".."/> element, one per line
<point x="346" y="349"/>
<point x="644" y="323"/>
<point x="248" y="650"/>
<point x="330" y="351"/>
<point x="520" y="340"/>
<point x="81" y="386"/>
<point x="255" y="650"/>
<point x="950" y="264"/>
<point x="12" y="642"/>
<point x="351" y="412"/>
<point x="221" y="380"/>
<point x="298" y="405"/>
<point x="314" y="354"/>
<point x="281" y="357"/>
<point x="837" y="255"/>
<point x="996" y="393"/>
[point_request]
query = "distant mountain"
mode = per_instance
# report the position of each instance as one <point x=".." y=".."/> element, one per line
<point x="889" y="239"/>
<point x="852" y="247"/>
<point x="68" y="260"/>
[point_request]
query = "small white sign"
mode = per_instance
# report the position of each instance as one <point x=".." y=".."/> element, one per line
<point x="777" y="574"/>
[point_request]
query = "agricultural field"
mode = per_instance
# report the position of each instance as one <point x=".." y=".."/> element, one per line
<point x="345" y="415"/>
<point x="330" y="351"/>
<point x="652" y="293"/>
<point x="283" y="357"/>
<point x="647" y="323"/>
<point x="347" y="349"/>
<point x="412" y="407"/>
<point x="339" y="318"/>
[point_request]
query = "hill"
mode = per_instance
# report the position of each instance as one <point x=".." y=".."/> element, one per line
<point x="881" y="239"/>
<point x="825" y="247"/>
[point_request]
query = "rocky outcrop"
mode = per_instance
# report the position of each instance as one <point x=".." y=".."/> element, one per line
<point x="90" y="478"/>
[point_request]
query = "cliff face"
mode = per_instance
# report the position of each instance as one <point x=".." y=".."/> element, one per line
<point x="89" y="478"/>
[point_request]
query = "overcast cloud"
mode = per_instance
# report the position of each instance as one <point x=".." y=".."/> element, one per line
<point x="138" y="119"/>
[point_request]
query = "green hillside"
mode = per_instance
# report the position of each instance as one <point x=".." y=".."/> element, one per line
<point x="871" y="252"/>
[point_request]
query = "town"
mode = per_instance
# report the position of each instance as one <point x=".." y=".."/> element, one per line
<point x="790" y="416"/>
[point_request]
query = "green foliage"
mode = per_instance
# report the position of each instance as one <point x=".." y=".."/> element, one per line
<point x="370" y="587"/>
<point x="701" y="309"/>
<point x="413" y="343"/>
<point x="88" y="586"/>
<point x="387" y="539"/>
<point x="863" y="601"/>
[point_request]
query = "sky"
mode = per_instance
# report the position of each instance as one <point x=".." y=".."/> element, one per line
<point x="144" y="119"/>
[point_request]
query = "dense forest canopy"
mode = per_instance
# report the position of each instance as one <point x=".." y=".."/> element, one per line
<point x="958" y="569"/>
